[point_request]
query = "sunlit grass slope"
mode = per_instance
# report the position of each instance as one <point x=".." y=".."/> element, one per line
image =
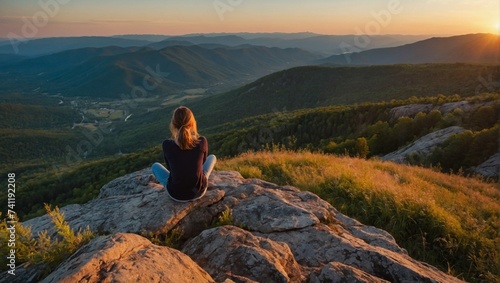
<point x="449" y="221"/>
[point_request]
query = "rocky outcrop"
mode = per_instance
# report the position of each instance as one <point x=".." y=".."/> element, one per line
<point x="411" y="110"/>
<point x="424" y="145"/>
<point x="490" y="168"/>
<point x="130" y="204"/>
<point x="276" y="234"/>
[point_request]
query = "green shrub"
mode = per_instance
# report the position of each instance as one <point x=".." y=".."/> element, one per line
<point x="43" y="250"/>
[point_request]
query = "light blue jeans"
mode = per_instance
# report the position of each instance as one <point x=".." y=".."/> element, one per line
<point x="161" y="174"/>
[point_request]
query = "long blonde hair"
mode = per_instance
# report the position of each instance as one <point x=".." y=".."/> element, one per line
<point x="183" y="128"/>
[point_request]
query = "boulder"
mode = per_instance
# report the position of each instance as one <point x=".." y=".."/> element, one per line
<point x="490" y="168"/>
<point x="228" y="250"/>
<point x="423" y="145"/>
<point x="127" y="258"/>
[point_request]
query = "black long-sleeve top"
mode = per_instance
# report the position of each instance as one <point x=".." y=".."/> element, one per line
<point x="187" y="179"/>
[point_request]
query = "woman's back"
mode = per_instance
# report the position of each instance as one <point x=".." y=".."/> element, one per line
<point x="186" y="168"/>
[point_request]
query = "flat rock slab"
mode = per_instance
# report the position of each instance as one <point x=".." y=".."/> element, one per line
<point x="128" y="210"/>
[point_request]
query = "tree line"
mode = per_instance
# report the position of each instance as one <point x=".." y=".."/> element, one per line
<point x="369" y="130"/>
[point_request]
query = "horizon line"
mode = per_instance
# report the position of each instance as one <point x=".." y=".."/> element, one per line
<point x="245" y="32"/>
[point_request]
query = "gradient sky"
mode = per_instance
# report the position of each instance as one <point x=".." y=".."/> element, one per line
<point x="27" y="18"/>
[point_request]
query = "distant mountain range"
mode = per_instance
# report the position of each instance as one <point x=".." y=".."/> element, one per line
<point x="471" y="48"/>
<point x="111" y="71"/>
<point x="321" y="44"/>
<point x="44" y="46"/>
<point x="212" y="63"/>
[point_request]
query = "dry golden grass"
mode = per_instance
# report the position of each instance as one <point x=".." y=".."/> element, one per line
<point x="447" y="220"/>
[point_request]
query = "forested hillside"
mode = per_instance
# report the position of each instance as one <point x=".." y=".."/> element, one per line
<point x="369" y="130"/>
<point x="315" y="86"/>
<point x="34" y="134"/>
<point x="41" y="132"/>
<point x="309" y="87"/>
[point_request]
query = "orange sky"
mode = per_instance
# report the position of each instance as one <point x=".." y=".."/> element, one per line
<point x="30" y="18"/>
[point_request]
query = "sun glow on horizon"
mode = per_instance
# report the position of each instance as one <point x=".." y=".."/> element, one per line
<point x="92" y="17"/>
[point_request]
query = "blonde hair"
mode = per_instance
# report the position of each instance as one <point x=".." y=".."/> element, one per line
<point x="183" y="128"/>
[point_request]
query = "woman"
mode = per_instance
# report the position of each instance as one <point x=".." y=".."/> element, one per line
<point x="188" y="167"/>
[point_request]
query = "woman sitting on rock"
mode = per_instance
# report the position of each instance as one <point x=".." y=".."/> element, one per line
<point x="185" y="177"/>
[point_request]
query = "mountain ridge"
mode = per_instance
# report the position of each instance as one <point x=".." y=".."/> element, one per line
<point x="315" y="86"/>
<point x="311" y="41"/>
<point x="51" y="45"/>
<point x="471" y="48"/>
<point x="116" y="70"/>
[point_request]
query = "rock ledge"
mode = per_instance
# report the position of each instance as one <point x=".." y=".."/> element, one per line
<point x="278" y="234"/>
